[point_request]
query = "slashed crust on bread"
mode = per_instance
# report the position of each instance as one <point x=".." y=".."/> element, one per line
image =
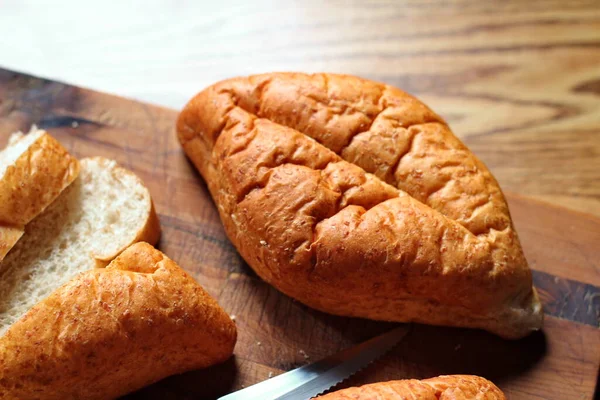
<point x="112" y="330"/>
<point x="449" y="387"/>
<point x="34" y="170"/>
<point x="356" y="199"/>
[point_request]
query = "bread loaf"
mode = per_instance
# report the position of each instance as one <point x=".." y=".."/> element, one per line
<point x="34" y="170"/>
<point x="356" y="199"/>
<point x="451" y="387"/>
<point x="112" y="330"/>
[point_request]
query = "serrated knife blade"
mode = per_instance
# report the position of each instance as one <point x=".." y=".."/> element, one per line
<point x="310" y="380"/>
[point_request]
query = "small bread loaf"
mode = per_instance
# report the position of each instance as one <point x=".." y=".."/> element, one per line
<point x="450" y="387"/>
<point x="356" y="199"/>
<point x="34" y="170"/>
<point x="112" y="330"/>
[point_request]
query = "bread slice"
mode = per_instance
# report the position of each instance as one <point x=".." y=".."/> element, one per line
<point x="112" y="330"/>
<point x="9" y="235"/>
<point x="356" y="199"/>
<point x="446" y="387"/>
<point x="34" y="170"/>
<point x="106" y="209"/>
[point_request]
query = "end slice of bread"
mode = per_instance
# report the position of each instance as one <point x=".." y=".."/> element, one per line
<point x="9" y="236"/>
<point x="34" y="170"/>
<point x="112" y="330"/>
<point x="106" y="209"/>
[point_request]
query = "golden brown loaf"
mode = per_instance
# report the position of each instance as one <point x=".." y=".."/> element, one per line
<point x="112" y="330"/>
<point x="451" y="387"/>
<point x="34" y="170"/>
<point x="356" y="199"/>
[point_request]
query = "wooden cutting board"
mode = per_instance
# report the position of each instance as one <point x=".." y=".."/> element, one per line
<point x="277" y="333"/>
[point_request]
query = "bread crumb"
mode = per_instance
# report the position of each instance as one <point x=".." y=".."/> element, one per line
<point x="74" y="124"/>
<point x="262" y="242"/>
<point x="258" y="343"/>
<point x="303" y="353"/>
<point x="270" y="374"/>
<point x="232" y="317"/>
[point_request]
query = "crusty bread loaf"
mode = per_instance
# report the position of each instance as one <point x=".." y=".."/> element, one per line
<point x="113" y="330"/>
<point x="450" y="387"/>
<point x="106" y="209"/>
<point x="356" y="199"/>
<point x="34" y="170"/>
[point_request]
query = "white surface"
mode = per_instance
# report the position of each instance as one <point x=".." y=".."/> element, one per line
<point x="160" y="51"/>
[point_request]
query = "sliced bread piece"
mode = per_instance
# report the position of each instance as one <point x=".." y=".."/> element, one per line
<point x="445" y="387"/>
<point x="34" y="170"/>
<point x="106" y="209"/>
<point x="112" y="330"/>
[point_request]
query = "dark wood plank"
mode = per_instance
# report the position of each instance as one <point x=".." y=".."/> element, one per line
<point x="277" y="333"/>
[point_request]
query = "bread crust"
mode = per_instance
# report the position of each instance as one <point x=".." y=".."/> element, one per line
<point x="34" y="180"/>
<point x="356" y="199"/>
<point x="448" y="387"/>
<point x="113" y="330"/>
<point x="150" y="233"/>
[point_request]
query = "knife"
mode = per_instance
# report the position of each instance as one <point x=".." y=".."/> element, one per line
<point x="310" y="380"/>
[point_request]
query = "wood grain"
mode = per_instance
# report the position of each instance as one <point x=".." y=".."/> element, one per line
<point x="519" y="81"/>
<point x="277" y="333"/>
